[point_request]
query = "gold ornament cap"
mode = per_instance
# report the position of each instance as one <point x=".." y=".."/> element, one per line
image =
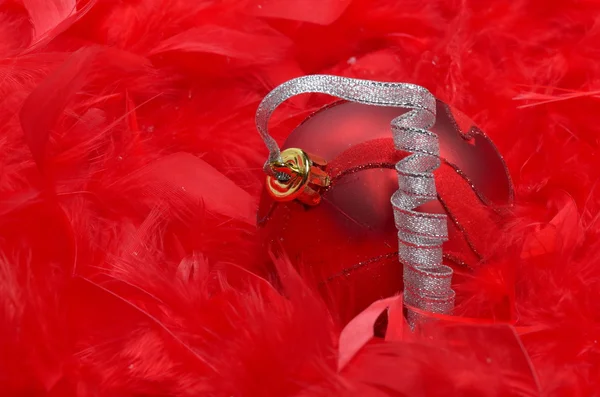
<point x="297" y="176"/>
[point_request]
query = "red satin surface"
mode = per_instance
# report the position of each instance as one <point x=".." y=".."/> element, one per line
<point x="348" y="244"/>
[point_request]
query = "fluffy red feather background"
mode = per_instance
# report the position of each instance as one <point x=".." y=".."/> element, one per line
<point x="130" y="174"/>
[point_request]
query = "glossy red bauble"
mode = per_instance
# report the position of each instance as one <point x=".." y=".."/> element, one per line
<point x="347" y="245"/>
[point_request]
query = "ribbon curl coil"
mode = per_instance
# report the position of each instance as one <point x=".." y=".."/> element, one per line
<point x="427" y="282"/>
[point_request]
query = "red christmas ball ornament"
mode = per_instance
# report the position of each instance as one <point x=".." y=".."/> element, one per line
<point x="348" y="244"/>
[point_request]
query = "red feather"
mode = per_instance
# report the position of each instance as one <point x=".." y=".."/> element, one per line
<point x="320" y="12"/>
<point x="47" y="15"/>
<point x="129" y="260"/>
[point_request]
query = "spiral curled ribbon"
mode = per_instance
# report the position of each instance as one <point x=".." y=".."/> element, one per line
<point x="427" y="282"/>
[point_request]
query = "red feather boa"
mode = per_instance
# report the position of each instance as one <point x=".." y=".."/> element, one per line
<point x="130" y="174"/>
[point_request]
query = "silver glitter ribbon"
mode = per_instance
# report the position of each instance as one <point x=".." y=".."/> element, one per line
<point x="427" y="282"/>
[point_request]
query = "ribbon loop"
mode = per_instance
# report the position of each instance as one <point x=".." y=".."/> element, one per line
<point x="420" y="235"/>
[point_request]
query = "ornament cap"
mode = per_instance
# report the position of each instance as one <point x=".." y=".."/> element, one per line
<point x="297" y="176"/>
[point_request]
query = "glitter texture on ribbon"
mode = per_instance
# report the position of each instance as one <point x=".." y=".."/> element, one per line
<point x="427" y="282"/>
